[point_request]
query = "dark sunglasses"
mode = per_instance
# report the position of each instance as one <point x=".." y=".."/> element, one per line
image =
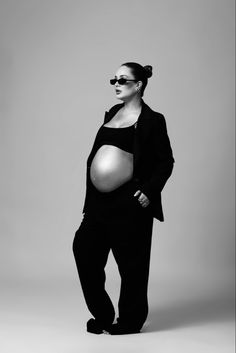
<point x="121" y="81"/>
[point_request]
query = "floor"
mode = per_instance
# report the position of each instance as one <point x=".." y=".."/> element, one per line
<point x="50" y="317"/>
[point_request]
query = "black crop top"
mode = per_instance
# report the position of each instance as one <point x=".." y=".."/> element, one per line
<point x="119" y="137"/>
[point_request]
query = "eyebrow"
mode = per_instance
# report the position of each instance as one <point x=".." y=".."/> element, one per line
<point x="121" y="76"/>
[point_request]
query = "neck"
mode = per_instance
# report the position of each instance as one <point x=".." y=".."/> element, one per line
<point x="133" y="104"/>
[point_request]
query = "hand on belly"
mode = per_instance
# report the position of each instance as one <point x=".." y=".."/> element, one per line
<point x="110" y="168"/>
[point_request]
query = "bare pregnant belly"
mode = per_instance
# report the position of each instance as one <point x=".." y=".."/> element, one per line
<point x="111" y="167"/>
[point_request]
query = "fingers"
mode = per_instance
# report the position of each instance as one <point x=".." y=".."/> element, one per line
<point x="143" y="200"/>
<point x="144" y="203"/>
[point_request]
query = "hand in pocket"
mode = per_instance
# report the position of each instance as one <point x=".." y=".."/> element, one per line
<point x="142" y="198"/>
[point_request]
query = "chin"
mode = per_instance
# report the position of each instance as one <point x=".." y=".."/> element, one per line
<point x="122" y="98"/>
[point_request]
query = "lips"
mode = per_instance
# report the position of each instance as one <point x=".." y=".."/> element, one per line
<point x="118" y="91"/>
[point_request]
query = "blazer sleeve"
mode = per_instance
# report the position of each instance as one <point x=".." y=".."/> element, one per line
<point x="161" y="159"/>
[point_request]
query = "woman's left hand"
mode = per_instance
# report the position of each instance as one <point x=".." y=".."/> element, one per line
<point x="144" y="201"/>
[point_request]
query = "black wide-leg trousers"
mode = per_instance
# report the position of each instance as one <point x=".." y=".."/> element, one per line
<point x="129" y="239"/>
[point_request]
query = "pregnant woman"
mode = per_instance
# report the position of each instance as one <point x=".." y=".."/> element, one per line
<point x="127" y="168"/>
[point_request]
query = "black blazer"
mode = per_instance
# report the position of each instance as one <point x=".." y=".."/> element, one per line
<point x="153" y="158"/>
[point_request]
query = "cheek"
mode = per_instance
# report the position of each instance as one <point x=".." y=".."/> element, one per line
<point x="129" y="90"/>
<point x="132" y="90"/>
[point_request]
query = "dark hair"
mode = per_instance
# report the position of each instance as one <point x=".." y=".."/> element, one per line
<point x="141" y="73"/>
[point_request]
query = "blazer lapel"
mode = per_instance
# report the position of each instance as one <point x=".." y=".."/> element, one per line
<point x="109" y="115"/>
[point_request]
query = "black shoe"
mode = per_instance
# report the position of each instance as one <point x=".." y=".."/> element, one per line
<point x="118" y="329"/>
<point x="95" y="326"/>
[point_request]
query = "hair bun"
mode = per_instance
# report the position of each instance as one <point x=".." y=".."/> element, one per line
<point x="148" y="70"/>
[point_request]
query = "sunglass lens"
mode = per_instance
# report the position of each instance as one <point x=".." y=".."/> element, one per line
<point x="122" y="81"/>
<point x="113" y="81"/>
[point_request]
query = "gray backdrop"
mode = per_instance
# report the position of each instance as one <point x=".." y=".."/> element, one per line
<point x="56" y="59"/>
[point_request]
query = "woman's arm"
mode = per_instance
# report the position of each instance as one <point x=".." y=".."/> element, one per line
<point x="162" y="159"/>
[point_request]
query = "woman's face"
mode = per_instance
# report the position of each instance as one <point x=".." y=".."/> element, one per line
<point x="129" y="89"/>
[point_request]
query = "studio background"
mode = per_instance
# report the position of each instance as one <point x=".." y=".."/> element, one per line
<point x="56" y="59"/>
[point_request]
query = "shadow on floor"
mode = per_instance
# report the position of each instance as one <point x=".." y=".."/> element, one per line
<point x="189" y="313"/>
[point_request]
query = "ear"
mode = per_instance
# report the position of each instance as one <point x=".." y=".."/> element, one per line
<point x="139" y="85"/>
